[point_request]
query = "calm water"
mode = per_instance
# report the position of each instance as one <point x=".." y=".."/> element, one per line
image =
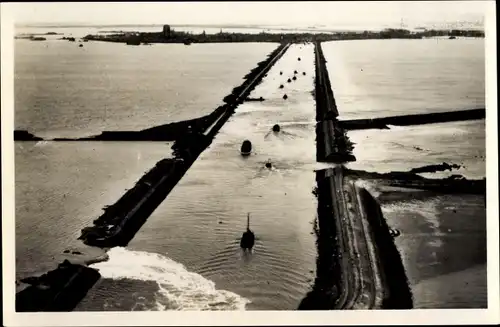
<point x="378" y="78"/>
<point x="64" y="90"/>
<point x="187" y="254"/>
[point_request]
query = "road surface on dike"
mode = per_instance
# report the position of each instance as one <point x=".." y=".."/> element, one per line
<point x="360" y="285"/>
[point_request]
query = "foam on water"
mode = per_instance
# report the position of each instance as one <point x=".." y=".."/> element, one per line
<point x="42" y="143"/>
<point x="428" y="209"/>
<point x="396" y="128"/>
<point x="179" y="289"/>
<point x="369" y="186"/>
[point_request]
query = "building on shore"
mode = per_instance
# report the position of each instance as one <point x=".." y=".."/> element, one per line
<point x="166" y="31"/>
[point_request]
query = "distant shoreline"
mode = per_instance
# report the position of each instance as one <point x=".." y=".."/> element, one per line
<point x="172" y="36"/>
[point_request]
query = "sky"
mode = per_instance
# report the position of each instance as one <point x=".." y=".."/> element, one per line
<point x="302" y="14"/>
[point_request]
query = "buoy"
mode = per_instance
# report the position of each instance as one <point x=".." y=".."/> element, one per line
<point x="294" y="78"/>
<point x="281" y="73"/>
<point x="289" y="81"/>
<point x="281" y="86"/>
<point x="294" y="72"/>
<point x="246" y="148"/>
<point x="285" y="97"/>
<point x="298" y="59"/>
<point x="269" y="165"/>
<point x="304" y="73"/>
<point x="276" y="128"/>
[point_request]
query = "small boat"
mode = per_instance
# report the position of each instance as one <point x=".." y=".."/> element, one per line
<point x="276" y="128"/>
<point x="452" y="37"/>
<point x="248" y="238"/>
<point x="285" y="97"/>
<point x="133" y="42"/>
<point x="246" y="148"/>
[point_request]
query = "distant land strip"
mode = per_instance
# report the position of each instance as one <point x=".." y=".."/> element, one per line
<point x="171" y="36"/>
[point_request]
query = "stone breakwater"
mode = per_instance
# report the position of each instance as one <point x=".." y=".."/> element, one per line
<point x="416" y="119"/>
<point x="58" y="290"/>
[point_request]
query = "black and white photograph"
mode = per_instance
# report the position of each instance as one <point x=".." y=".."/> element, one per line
<point x="282" y="157"/>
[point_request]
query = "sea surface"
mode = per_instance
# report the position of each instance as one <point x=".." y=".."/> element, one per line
<point x="64" y="90"/>
<point x="186" y="256"/>
<point x="380" y="78"/>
